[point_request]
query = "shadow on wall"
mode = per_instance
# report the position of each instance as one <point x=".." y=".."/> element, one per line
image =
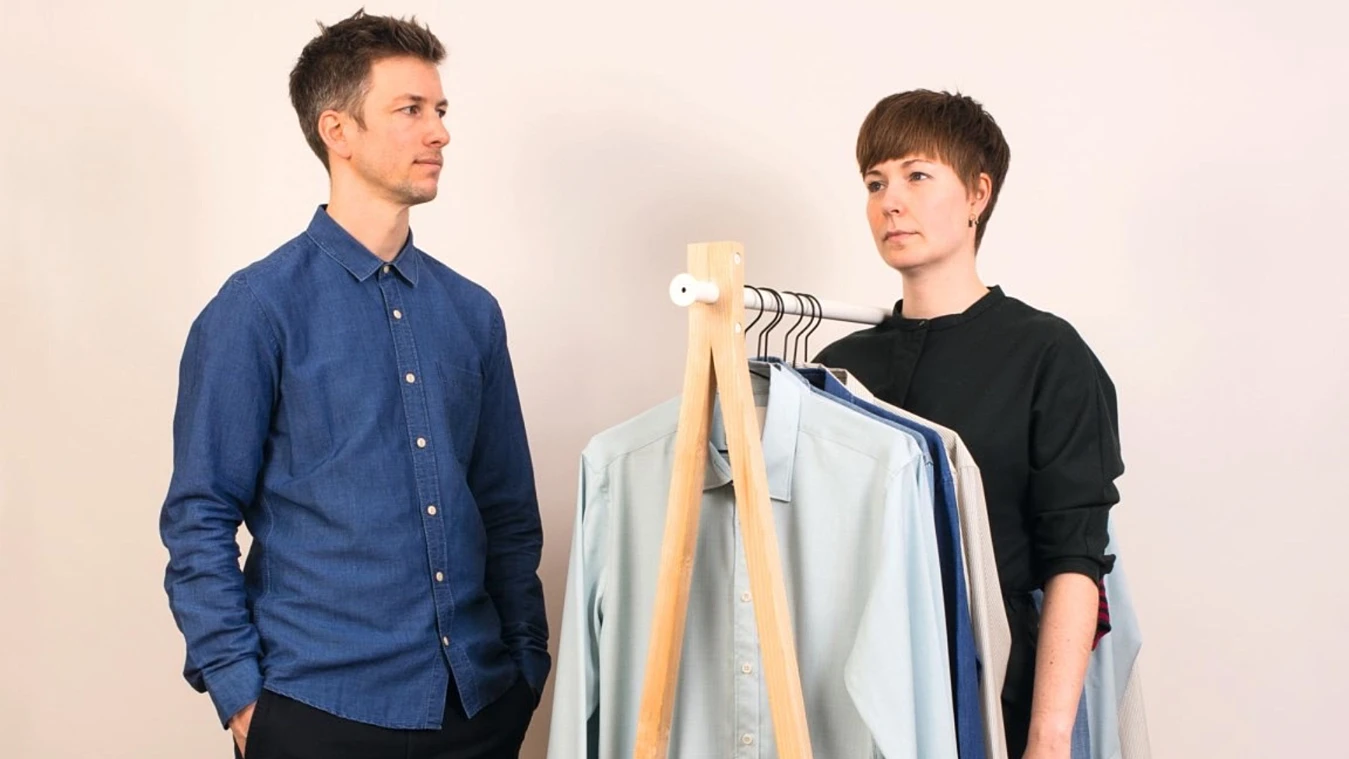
<point x="614" y="199"/>
<point x="105" y="206"/>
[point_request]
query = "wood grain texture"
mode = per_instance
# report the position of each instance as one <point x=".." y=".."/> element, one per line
<point x="717" y="360"/>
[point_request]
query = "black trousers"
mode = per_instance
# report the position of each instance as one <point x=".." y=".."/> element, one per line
<point x="284" y="728"/>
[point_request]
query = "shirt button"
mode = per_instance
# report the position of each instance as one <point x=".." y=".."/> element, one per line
<point x="747" y="668"/>
<point x="411" y="378"/>
<point x="421" y="442"/>
<point x="445" y="641"/>
<point x="386" y="268"/>
<point x="745" y="596"/>
<point x="397" y="314"/>
<point x="440" y="577"/>
<point x="746" y="739"/>
<point x="431" y="509"/>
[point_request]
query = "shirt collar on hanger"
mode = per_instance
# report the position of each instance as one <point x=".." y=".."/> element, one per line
<point x="785" y="392"/>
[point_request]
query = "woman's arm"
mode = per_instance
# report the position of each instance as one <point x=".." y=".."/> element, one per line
<point x="1067" y="628"/>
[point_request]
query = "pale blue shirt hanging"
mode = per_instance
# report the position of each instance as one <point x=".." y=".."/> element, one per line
<point x="960" y="633"/>
<point x="854" y="521"/>
<point x="1113" y="689"/>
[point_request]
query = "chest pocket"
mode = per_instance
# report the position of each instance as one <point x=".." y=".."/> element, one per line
<point x="459" y="406"/>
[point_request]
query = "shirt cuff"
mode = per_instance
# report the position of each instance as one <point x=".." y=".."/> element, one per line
<point x="234" y="687"/>
<point x="535" y="666"/>
<point x="1078" y="565"/>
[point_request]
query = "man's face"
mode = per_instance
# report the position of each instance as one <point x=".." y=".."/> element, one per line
<point x="397" y="156"/>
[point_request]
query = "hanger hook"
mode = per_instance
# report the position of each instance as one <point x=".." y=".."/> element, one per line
<point x="818" y="308"/>
<point x="801" y="315"/>
<point x="757" y="316"/>
<point x="772" y="323"/>
<point x="806" y="298"/>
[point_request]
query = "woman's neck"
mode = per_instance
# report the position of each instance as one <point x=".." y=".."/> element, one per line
<point x="941" y="292"/>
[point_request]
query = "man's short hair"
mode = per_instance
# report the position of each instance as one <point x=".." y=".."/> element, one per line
<point x="333" y="71"/>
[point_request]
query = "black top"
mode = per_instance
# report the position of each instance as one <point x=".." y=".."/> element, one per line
<point x="1036" y="410"/>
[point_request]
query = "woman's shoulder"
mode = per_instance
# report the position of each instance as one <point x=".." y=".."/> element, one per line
<point x="1035" y="322"/>
<point x="1061" y="348"/>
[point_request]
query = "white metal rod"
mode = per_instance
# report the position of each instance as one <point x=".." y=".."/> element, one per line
<point x="841" y="312"/>
<point x="685" y="290"/>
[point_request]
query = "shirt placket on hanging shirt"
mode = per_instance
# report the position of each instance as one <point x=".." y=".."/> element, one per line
<point x="752" y="736"/>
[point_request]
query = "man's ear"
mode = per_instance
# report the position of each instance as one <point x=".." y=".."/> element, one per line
<point x="334" y="128"/>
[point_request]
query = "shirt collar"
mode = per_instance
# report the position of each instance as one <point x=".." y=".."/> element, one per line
<point x="993" y="297"/>
<point x="786" y="392"/>
<point x="355" y="257"/>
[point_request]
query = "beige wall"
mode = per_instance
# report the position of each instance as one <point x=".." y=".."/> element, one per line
<point x="1177" y="191"/>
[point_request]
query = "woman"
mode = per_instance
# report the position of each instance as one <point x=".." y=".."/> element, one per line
<point x="1019" y="385"/>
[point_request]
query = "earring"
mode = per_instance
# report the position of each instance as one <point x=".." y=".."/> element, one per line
<point x="973" y="222"/>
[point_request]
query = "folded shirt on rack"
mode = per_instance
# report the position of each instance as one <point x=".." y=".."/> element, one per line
<point x="852" y="507"/>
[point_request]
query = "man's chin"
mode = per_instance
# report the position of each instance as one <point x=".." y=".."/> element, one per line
<point x="412" y="195"/>
<point x="419" y="197"/>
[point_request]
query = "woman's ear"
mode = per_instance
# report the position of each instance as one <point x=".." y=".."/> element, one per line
<point x="982" y="191"/>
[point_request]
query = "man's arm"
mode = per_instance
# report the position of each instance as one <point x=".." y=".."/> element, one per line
<point x="501" y="477"/>
<point x="227" y="388"/>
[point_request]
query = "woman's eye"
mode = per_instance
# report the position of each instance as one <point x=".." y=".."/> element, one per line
<point x="413" y="110"/>
<point x="917" y="175"/>
<point x="873" y="186"/>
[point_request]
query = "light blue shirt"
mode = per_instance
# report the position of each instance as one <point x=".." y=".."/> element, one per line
<point x="854" y="521"/>
<point x="960" y="632"/>
<point x="1118" y="727"/>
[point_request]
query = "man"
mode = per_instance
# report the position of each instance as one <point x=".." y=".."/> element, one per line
<point x="352" y="401"/>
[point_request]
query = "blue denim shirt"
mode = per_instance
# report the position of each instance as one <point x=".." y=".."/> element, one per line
<point x="960" y="631"/>
<point x="363" y="421"/>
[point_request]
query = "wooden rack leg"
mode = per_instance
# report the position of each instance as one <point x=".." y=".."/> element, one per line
<point x="772" y="614"/>
<point x="680" y="543"/>
<point x="717" y="352"/>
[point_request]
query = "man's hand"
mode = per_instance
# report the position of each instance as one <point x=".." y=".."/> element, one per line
<point x="239" y="725"/>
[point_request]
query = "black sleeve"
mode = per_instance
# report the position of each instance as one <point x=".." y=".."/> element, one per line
<point x="1075" y="458"/>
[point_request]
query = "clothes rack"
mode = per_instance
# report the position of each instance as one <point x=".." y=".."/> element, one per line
<point x="717" y="362"/>
<point x="686" y="289"/>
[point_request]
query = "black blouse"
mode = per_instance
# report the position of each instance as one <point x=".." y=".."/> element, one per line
<point x="1038" y="413"/>
<point x="1036" y="410"/>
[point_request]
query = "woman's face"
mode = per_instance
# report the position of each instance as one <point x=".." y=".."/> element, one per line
<point x="920" y="212"/>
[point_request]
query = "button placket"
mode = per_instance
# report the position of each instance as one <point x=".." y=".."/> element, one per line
<point x="748" y="685"/>
<point x="416" y="413"/>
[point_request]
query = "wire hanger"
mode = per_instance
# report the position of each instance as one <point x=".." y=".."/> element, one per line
<point x="757" y="317"/>
<point x="811" y="327"/>
<point x="763" y="345"/>
<point x="801" y="315"/>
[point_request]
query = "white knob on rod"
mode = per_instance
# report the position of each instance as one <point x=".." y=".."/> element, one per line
<point x="685" y="290"/>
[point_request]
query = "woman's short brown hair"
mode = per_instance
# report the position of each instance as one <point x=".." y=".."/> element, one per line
<point x="951" y="128"/>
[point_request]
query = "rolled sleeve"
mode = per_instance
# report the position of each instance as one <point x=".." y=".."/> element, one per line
<point x="1075" y="460"/>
